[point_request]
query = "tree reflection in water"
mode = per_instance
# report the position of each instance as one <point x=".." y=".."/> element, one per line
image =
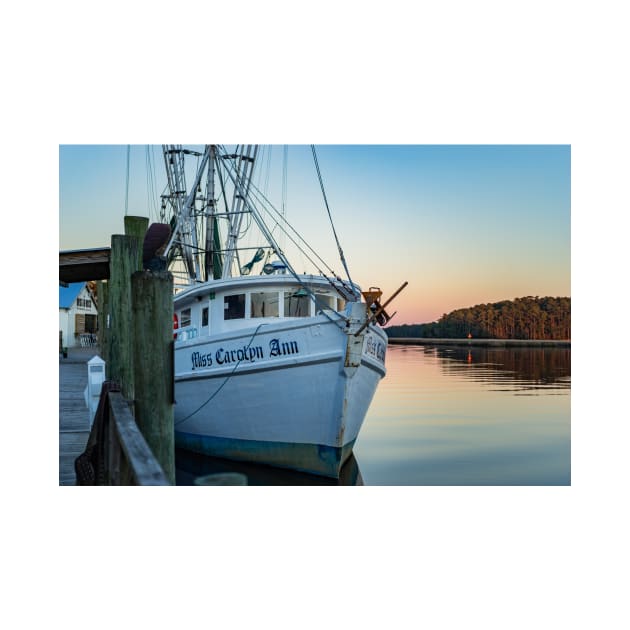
<point x="519" y="368"/>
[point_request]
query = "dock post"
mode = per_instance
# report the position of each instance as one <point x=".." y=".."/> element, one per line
<point x="123" y="262"/>
<point x="152" y="319"/>
<point x="137" y="226"/>
<point x="125" y="259"/>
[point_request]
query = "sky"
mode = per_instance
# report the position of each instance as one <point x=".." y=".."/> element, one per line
<point x="462" y="224"/>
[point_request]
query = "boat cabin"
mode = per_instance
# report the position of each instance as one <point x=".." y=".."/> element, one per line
<point x="232" y="304"/>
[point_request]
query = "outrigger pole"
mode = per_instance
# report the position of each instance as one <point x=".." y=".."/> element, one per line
<point x="380" y="309"/>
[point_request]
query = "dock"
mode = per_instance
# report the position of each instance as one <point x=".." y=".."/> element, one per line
<point x="74" y="421"/>
<point x="132" y="442"/>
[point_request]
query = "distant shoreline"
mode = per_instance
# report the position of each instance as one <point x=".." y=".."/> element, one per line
<point x="428" y="341"/>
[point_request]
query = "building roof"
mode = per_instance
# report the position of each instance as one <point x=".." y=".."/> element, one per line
<point x="84" y="264"/>
<point x="67" y="295"/>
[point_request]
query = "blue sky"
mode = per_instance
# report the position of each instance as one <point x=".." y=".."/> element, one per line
<point x="463" y="224"/>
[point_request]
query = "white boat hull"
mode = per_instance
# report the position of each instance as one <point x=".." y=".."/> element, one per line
<point x="285" y="393"/>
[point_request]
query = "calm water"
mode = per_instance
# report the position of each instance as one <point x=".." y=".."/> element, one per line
<point x="447" y="415"/>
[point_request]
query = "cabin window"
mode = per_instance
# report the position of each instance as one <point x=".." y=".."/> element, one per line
<point x="185" y="318"/>
<point x="204" y="316"/>
<point x="325" y="301"/>
<point x="297" y="304"/>
<point x="341" y="304"/>
<point x="234" y="306"/>
<point x="264" y="304"/>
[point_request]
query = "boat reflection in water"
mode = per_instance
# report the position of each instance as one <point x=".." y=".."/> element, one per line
<point x="189" y="466"/>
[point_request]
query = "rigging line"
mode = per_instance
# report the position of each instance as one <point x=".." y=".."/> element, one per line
<point x="127" y="183"/>
<point x="151" y="192"/>
<point x="221" y="180"/>
<point x="155" y="193"/>
<point x="257" y="194"/>
<point x="147" y="170"/>
<point x="341" y="321"/>
<point x="227" y="378"/>
<point x="268" y="169"/>
<point x="264" y="202"/>
<point x="155" y="183"/>
<point x="199" y="248"/>
<point x="263" y="152"/>
<point x="238" y="184"/>
<point x="285" y="162"/>
<point x="314" y="263"/>
<point x="321" y="183"/>
<point x="338" y="319"/>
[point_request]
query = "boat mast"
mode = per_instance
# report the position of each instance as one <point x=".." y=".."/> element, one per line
<point x="184" y="232"/>
<point x="210" y="216"/>
<point x="244" y="169"/>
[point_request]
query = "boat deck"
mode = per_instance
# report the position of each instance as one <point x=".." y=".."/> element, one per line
<point x="74" y="424"/>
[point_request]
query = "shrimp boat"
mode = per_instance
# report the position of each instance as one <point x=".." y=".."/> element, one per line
<point x="271" y="366"/>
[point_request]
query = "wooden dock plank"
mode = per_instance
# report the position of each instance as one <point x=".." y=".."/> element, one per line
<point x="72" y="442"/>
<point x="74" y="421"/>
<point x="74" y="426"/>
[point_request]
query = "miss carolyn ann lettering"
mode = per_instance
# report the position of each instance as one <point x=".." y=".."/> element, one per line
<point x="224" y="357"/>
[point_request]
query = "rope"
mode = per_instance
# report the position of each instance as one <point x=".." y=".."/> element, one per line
<point x="267" y="206"/>
<point x="295" y="275"/>
<point x="268" y="169"/>
<point x="127" y="184"/>
<point x="284" y="181"/>
<point x="321" y="184"/>
<point x="285" y="162"/>
<point x="151" y="185"/>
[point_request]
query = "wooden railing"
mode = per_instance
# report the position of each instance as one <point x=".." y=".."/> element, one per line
<point x="136" y="317"/>
<point x="117" y="453"/>
<point x="129" y="458"/>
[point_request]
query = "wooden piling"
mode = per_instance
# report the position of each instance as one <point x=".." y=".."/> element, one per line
<point x="137" y="226"/>
<point x="152" y="317"/>
<point x="123" y="262"/>
<point x="125" y="259"/>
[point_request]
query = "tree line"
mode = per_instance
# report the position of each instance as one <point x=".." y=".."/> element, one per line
<point x="521" y="318"/>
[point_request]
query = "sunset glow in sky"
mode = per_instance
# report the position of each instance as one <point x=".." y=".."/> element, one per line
<point x="463" y="225"/>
